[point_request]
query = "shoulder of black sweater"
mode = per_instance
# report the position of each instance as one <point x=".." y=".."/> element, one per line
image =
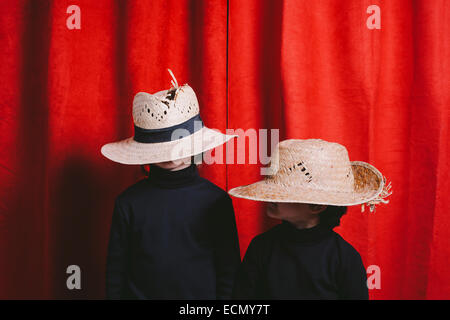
<point x="214" y="189"/>
<point x="346" y="248"/>
<point x="261" y="243"/>
<point x="132" y="190"/>
<point x="262" y="239"/>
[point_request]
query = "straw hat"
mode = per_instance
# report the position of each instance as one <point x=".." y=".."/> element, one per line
<point x="319" y="172"/>
<point x="167" y="127"/>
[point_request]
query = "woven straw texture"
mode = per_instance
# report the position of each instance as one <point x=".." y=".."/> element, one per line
<point x="315" y="171"/>
<point x="164" y="109"/>
<point x="129" y="151"/>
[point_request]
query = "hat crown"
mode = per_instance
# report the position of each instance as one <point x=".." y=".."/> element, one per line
<point x="312" y="163"/>
<point x="165" y="108"/>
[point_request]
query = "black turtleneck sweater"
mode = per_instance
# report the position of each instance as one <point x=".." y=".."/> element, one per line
<point x="290" y="263"/>
<point x="173" y="236"/>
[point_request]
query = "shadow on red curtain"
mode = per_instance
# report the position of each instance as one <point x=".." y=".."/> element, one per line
<point x="312" y="69"/>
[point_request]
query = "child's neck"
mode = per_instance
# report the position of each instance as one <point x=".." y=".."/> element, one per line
<point x="180" y="167"/>
<point x="305" y="224"/>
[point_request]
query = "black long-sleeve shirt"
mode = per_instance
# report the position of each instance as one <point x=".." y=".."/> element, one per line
<point x="290" y="263"/>
<point x="173" y="236"/>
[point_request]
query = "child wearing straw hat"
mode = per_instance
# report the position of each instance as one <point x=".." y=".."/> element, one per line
<point x="310" y="186"/>
<point x="173" y="234"/>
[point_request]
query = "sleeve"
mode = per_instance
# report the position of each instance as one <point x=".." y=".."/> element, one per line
<point x="226" y="248"/>
<point x="247" y="278"/>
<point x="117" y="253"/>
<point x="353" y="279"/>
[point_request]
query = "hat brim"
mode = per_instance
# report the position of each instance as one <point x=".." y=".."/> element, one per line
<point x="368" y="185"/>
<point x="129" y="151"/>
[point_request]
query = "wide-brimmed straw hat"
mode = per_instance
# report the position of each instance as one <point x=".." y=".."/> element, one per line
<point x="167" y="127"/>
<point x="318" y="172"/>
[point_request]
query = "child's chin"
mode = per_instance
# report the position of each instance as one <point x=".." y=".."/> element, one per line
<point x="271" y="214"/>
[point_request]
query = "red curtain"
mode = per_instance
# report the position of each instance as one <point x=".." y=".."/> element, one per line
<point x="313" y="69"/>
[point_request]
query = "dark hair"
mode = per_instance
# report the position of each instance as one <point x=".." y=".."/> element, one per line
<point x="331" y="216"/>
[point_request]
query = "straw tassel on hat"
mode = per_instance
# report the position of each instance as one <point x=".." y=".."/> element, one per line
<point x="319" y="172"/>
<point x="167" y="127"/>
